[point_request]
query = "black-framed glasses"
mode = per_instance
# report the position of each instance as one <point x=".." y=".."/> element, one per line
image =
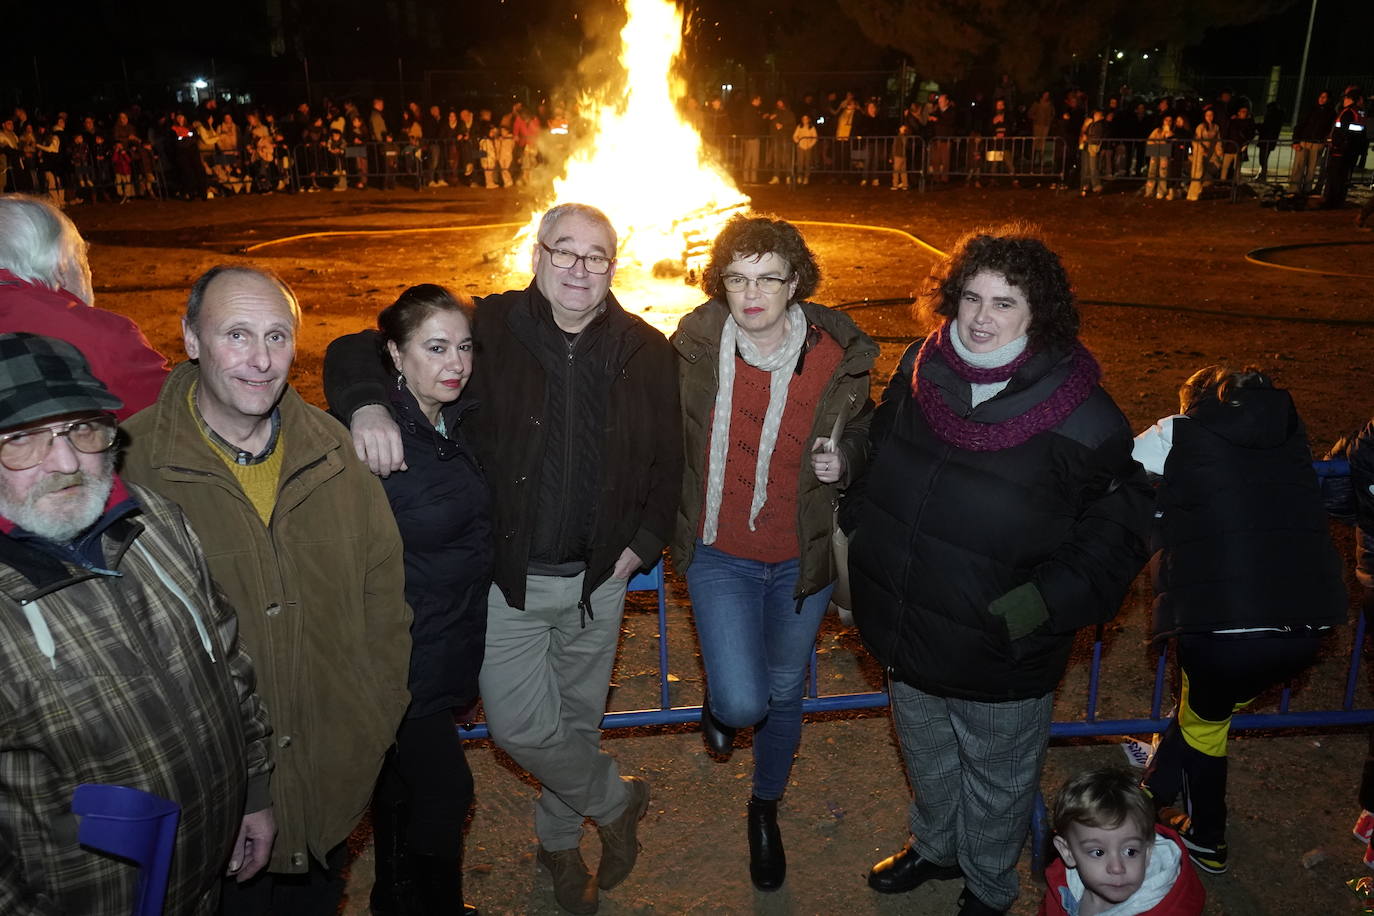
<point x="766" y="285"/>
<point x="28" y="448"/>
<point x="562" y="258"/>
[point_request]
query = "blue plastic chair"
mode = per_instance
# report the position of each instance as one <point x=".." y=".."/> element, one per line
<point x="135" y="825"/>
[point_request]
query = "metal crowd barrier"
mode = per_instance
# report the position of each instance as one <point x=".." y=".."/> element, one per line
<point x="915" y="162"/>
<point x="23" y="176"/>
<point x="902" y="161"/>
<point x="424" y="163"/>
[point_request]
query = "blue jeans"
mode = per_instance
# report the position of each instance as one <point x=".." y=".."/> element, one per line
<point x="756" y="647"/>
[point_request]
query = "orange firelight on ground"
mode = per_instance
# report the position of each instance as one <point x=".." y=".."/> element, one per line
<point x="647" y="169"/>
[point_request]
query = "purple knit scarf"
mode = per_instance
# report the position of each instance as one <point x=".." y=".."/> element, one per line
<point x="990" y="437"/>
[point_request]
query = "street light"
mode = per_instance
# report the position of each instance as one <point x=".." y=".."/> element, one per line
<point x="1302" y="72"/>
<point x="200" y="83"/>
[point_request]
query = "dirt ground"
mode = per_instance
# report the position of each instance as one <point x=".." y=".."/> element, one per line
<point x="1165" y="288"/>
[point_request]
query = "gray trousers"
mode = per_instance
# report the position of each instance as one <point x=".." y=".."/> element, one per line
<point x="544" y="683"/>
<point x="974" y="768"/>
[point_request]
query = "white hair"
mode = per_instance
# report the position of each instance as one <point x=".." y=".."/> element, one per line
<point x="40" y="245"/>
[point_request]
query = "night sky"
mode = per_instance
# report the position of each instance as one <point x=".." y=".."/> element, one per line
<point x="97" y="48"/>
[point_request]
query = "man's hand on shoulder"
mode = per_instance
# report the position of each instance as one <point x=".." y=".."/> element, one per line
<point x="377" y="440"/>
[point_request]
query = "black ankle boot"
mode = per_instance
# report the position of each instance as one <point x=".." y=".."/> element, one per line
<point x="767" y="860"/>
<point x="720" y="739"/>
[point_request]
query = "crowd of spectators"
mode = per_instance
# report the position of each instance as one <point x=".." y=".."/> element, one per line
<point x="1174" y="145"/>
<point x="217" y="149"/>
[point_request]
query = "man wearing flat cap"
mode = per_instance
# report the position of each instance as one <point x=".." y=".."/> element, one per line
<point x="119" y="658"/>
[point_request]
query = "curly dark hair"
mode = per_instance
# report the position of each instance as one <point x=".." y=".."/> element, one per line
<point x="756" y="235"/>
<point x="1015" y="251"/>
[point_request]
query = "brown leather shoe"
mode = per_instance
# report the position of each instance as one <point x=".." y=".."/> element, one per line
<point x="573" y="886"/>
<point x="620" y="838"/>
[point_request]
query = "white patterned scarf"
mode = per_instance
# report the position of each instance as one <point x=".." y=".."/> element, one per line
<point x="780" y="364"/>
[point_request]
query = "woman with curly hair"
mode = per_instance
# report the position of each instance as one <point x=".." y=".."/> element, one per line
<point x="1002" y="511"/>
<point x="775" y="412"/>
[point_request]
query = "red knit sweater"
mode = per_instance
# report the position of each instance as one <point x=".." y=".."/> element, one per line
<point x="775" y="536"/>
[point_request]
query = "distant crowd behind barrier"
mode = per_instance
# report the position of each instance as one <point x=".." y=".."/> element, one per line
<point x="1174" y="148"/>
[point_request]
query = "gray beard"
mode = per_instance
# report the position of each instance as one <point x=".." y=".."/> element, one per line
<point x="64" y="528"/>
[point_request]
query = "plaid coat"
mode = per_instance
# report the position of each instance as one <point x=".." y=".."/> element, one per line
<point x="136" y="687"/>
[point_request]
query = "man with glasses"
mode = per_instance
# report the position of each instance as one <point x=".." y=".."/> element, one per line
<point x="577" y="427"/>
<point x="304" y="542"/>
<point x="119" y="658"/>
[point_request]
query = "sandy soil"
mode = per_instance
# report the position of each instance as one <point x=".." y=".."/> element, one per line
<point x="1165" y="288"/>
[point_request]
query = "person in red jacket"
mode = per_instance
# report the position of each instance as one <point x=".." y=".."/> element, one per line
<point x="45" y="288"/>
<point x="1114" y="859"/>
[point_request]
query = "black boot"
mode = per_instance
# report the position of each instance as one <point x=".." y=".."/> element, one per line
<point x="720" y="739"/>
<point x="439" y="883"/>
<point x="393" y="891"/>
<point x="767" y="860"/>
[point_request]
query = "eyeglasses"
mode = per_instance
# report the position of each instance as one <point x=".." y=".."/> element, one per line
<point x="29" y="447"/>
<point x="562" y="258"/>
<point x="766" y="285"/>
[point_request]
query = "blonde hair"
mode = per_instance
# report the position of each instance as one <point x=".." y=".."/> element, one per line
<point x="1104" y="798"/>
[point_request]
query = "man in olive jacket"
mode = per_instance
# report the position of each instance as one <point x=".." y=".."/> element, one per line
<point x="301" y="537"/>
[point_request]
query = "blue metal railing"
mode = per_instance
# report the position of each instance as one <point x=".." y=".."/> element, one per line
<point x="1089" y="726"/>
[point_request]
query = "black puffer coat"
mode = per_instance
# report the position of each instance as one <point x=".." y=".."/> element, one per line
<point x="443" y="509"/>
<point x="943" y="531"/>
<point x="1240" y="535"/>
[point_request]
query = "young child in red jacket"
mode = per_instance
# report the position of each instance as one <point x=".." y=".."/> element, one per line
<point x="1115" y="860"/>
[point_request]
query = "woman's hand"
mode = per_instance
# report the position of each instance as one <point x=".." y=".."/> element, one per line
<point x="827" y="461"/>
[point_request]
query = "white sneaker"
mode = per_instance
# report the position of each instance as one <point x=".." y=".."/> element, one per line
<point x="441" y="183"/>
<point x="773" y="180"/>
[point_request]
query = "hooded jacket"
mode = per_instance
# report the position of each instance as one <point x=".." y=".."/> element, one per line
<point x="1240" y="536"/>
<point x="320" y="598"/>
<point x="697" y="341"/>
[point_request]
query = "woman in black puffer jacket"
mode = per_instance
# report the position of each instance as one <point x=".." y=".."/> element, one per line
<point x="442" y="508"/>
<point x="1001" y="512"/>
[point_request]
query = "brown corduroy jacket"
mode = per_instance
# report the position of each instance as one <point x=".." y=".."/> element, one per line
<point x="320" y="597"/>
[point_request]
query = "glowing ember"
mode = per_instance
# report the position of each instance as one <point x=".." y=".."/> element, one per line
<point x="646" y="168"/>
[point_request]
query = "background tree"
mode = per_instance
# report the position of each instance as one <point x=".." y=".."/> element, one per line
<point x="951" y="39"/>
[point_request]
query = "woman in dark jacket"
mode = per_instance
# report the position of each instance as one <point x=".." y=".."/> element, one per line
<point x="442" y="509"/>
<point x="1001" y="512"/>
<point x="1245" y="576"/>
<point x="775" y="412"/>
